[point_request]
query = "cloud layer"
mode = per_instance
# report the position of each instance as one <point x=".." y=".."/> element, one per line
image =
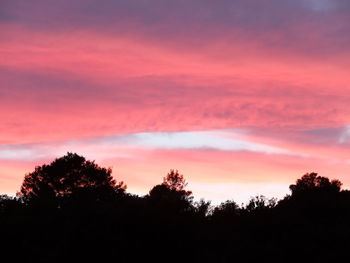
<point x="81" y="70"/>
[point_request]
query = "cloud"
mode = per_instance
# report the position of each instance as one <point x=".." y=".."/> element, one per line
<point x="85" y="73"/>
<point x="344" y="135"/>
<point x="235" y="163"/>
<point x="286" y="25"/>
<point x="60" y="90"/>
<point x="211" y="140"/>
<point x="201" y="140"/>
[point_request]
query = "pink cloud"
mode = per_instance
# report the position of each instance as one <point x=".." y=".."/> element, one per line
<point x="73" y="70"/>
<point x="131" y="86"/>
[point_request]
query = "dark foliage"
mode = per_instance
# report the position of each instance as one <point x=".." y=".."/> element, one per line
<point x="171" y="197"/>
<point x="312" y="183"/>
<point x="69" y="179"/>
<point x="72" y="209"/>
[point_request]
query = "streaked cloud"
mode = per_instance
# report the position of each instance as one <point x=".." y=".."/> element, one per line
<point x="200" y="140"/>
<point x="345" y="135"/>
<point x="236" y="88"/>
<point x="214" y="140"/>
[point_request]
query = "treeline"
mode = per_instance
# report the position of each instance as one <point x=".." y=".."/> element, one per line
<point x="73" y="209"/>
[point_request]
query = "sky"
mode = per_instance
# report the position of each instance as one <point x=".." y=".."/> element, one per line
<point x="241" y="96"/>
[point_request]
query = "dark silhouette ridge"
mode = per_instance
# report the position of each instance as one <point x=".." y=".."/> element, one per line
<point x="73" y="209"/>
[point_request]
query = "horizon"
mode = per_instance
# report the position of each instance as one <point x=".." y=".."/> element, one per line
<point x="241" y="97"/>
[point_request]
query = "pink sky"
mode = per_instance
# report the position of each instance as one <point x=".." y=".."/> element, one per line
<point x="242" y="97"/>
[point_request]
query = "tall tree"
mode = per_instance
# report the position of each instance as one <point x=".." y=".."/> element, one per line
<point x="175" y="181"/>
<point x="171" y="196"/>
<point x="71" y="176"/>
<point x="312" y="182"/>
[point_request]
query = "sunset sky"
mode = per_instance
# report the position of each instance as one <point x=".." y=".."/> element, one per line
<point x="241" y="96"/>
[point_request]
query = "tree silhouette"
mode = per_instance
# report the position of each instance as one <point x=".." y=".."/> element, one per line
<point x="260" y="203"/>
<point x="311" y="182"/>
<point x="226" y="210"/>
<point x="202" y="207"/>
<point x="312" y="197"/>
<point x="171" y="194"/>
<point x="9" y="204"/>
<point x="69" y="177"/>
<point x="79" y="202"/>
<point x="175" y="181"/>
